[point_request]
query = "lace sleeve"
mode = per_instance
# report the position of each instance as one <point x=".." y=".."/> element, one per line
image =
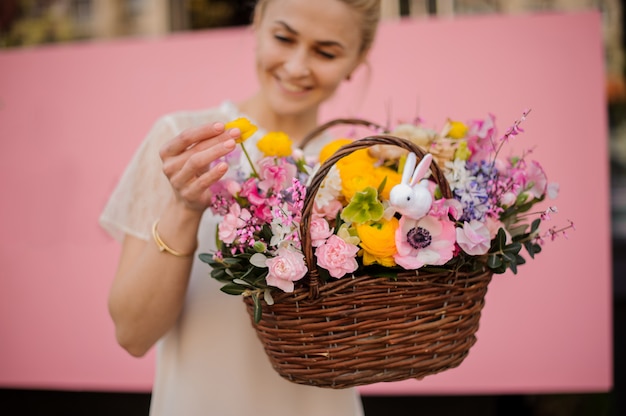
<point x="143" y="190"/>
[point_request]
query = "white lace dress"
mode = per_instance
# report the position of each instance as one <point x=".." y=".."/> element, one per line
<point x="210" y="362"/>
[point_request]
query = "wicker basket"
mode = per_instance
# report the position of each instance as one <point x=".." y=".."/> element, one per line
<point x="363" y="329"/>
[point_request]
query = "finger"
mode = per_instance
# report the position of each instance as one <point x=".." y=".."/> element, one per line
<point x="200" y="162"/>
<point x="190" y="137"/>
<point x="223" y="137"/>
<point x="198" y="189"/>
<point x="173" y="164"/>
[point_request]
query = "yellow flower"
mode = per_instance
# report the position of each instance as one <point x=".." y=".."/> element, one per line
<point x="462" y="152"/>
<point x="457" y="130"/>
<point x="275" y="143"/>
<point x="355" y="177"/>
<point x="243" y="124"/>
<point x="378" y="241"/>
<point x="328" y="150"/>
<point x="358" y="155"/>
<point x="393" y="178"/>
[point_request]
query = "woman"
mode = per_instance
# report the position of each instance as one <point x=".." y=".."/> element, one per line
<point x="209" y="360"/>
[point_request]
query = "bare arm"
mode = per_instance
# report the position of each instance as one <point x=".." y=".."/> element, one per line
<point x="148" y="291"/>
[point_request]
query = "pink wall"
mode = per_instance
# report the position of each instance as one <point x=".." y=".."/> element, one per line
<point x="71" y="116"/>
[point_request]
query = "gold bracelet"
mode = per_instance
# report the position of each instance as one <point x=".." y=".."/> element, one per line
<point x="162" y="246"/>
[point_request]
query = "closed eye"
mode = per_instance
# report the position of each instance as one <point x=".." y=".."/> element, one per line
<point x="283" y="39"/>
<point x="326" y="55"/>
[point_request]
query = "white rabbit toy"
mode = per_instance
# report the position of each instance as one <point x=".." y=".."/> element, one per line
<point x="411" y="197"/>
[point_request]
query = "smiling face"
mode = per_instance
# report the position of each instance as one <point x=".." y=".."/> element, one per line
<point x="304" y="50"/>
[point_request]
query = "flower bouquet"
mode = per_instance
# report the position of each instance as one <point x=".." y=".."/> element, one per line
<point x="370" y="261"/>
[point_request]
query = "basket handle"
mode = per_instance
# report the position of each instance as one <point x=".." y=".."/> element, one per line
<point x="318" y="178"/>
<point x="354" y="121"/>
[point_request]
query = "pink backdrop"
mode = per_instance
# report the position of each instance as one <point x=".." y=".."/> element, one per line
<point x="71" y="116"/>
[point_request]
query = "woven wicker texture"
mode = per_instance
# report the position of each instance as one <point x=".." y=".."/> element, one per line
<point x="365" y="329"/>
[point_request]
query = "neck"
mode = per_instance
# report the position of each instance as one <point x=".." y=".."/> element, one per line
<point x="296" y="126"/>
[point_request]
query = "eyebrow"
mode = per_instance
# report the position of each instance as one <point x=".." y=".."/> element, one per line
<point x="319" y="42"/>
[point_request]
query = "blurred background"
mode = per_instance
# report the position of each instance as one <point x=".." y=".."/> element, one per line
<point x="38" y="23"/>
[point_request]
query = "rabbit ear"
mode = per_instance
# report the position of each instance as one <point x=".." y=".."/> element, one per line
<point x="409" y="165"/>
<point x="421" y="169"/>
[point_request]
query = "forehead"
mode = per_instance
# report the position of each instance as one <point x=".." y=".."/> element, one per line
<point x="317" y="20"/>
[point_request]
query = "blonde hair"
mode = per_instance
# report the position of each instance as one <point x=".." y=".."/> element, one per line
<point x="369" y="10"/>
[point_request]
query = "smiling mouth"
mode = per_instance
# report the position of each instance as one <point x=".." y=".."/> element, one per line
<point x="290" y="87"/>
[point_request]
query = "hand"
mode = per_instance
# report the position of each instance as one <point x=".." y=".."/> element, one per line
<point x="187" y="161"/>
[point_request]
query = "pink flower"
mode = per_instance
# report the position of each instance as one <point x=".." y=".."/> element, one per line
<point x="287" y="267"/>
<point x="508" y="199"/>
<point x="441" y="208"/>
<point x="552" y="190"/>
<point x="427" y="241"/>
<point x="320" y="231"/>
<point x="233" y="221"/>
<point x="250" y="191"/>
<point x="337" y="256"/>
<point x="329" y="210"/>
<point x="493" y="225"/>
<point x="474" y="238"/>
<point x="276" y="174"/>
<point x="537" y="178"/>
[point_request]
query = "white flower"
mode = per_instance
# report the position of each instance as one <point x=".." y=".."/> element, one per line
<point x="330" y="188"/>
<point x="457" y="174"/>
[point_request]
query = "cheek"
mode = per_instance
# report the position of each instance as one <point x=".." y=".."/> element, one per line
<point x="266" y="55"/>
<point x="331" y="77"/>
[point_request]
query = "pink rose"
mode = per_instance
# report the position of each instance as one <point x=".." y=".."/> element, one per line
<point x="337" y="256"/>
<point x="287" y="267"/>
<point x="320" y="231"/>
<point x="474" y="238"/>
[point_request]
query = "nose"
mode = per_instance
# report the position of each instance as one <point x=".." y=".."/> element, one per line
<point x="297" y="65"/>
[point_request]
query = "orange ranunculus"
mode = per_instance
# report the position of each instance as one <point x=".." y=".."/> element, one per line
<point x="355" y="177"/>
<point x="393" y="178"/>
<point x="378" y="241"/>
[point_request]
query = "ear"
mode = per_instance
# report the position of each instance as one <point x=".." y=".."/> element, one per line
<point x="422" y="168"/>
<point x="409" y="165"/>
<point x="361" y="60"/>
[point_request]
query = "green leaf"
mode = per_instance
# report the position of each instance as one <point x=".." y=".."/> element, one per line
<point x="381" y="187"/>
<point x="494" y="261"/>
<point x="206" y="257"/>
<point x="233" y="289"/>
<point x="258" y="312"/>
<point x="532" y="248"/>
<point x="508" y="257"/>
<point x="513" y="248"/>
<point x="220" y="275"/>
<point x="499" y="241"/>
<point x="535" y="225"/>
<point x="231" y="261"/>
